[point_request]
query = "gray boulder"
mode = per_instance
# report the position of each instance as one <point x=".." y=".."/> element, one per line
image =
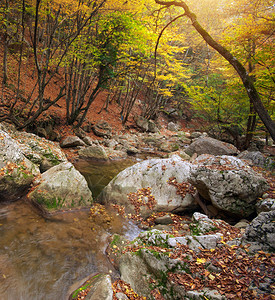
<point x="147" y="265"/>
<point x="158" y="238"/>
<point x="40" y="151"/>
<point x="102" y="129"/>
<point x="196" y="243"/>
<point x="262" y="231"/>
<point x="16" y="171"/>
<point x="257" y="159"/>
<point x="61" y="187"/>
<point x="208" y="145"/>
<point x="172" y="126"/>
<point x="229" y="183"/>
<point x="93" y="152"/>
<point x="71" y="141"/>
<point x="153" y="174"/>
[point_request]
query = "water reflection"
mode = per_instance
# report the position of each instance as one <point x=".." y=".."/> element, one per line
<point x="98" y="174"/>
<point x="41" y="258"/>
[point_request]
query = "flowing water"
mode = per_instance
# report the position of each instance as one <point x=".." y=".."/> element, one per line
<point x="41" y="258"/>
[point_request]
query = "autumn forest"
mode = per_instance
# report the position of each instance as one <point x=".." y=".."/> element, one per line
<point x="212" y="57"/>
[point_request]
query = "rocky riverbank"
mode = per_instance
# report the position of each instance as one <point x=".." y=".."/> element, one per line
<point x="175" y="257"/>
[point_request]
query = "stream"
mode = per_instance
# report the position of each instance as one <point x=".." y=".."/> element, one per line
<point x="41" y="258"/>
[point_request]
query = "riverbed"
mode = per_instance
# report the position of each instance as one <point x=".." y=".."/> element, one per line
<point x="40" y="258"/>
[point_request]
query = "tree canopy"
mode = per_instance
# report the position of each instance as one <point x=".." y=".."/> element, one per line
<point x="165" y="52"/>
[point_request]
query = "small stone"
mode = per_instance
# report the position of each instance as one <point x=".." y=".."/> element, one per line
<point x="242" y="224"/>
<point x="88" y="141"/>
<point x="71" y="141"/>
<point x="165" y="220"/>
<point x="162" y="227"/>
<point x="172" y="126"/>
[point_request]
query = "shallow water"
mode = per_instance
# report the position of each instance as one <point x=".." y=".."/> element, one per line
<point x="98" y="174"/>
<point x="41" y="258"/>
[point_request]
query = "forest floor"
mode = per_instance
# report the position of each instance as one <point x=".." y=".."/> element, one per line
<point x="95" y="113"/>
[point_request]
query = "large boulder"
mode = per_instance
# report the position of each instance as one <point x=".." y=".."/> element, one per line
<point x="40" y="151"/>
<point x="16" y="171"/>
<point x="61" y="187"/>
<point x="147" y="182"/>
<point x="208" y="145"/>
<point x="261" y="231"/>
<point x="148" y="267"/>
<point x="159" y="238"/>
<point x="229" y="183"/>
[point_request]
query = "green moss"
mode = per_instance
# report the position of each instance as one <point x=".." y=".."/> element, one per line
<point x="194" y="229"/>
<point x="52" y="158"/>
<point x="116" y="239"/>
<point x="26" y="176"/>
<point x="50" y="203"/>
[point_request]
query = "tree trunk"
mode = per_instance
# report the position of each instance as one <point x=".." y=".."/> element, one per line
<point x="247" y="81"/>
<point x="5" y="60"/>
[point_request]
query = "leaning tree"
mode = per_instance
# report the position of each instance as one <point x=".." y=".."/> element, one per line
<point x="238" y="66"/>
